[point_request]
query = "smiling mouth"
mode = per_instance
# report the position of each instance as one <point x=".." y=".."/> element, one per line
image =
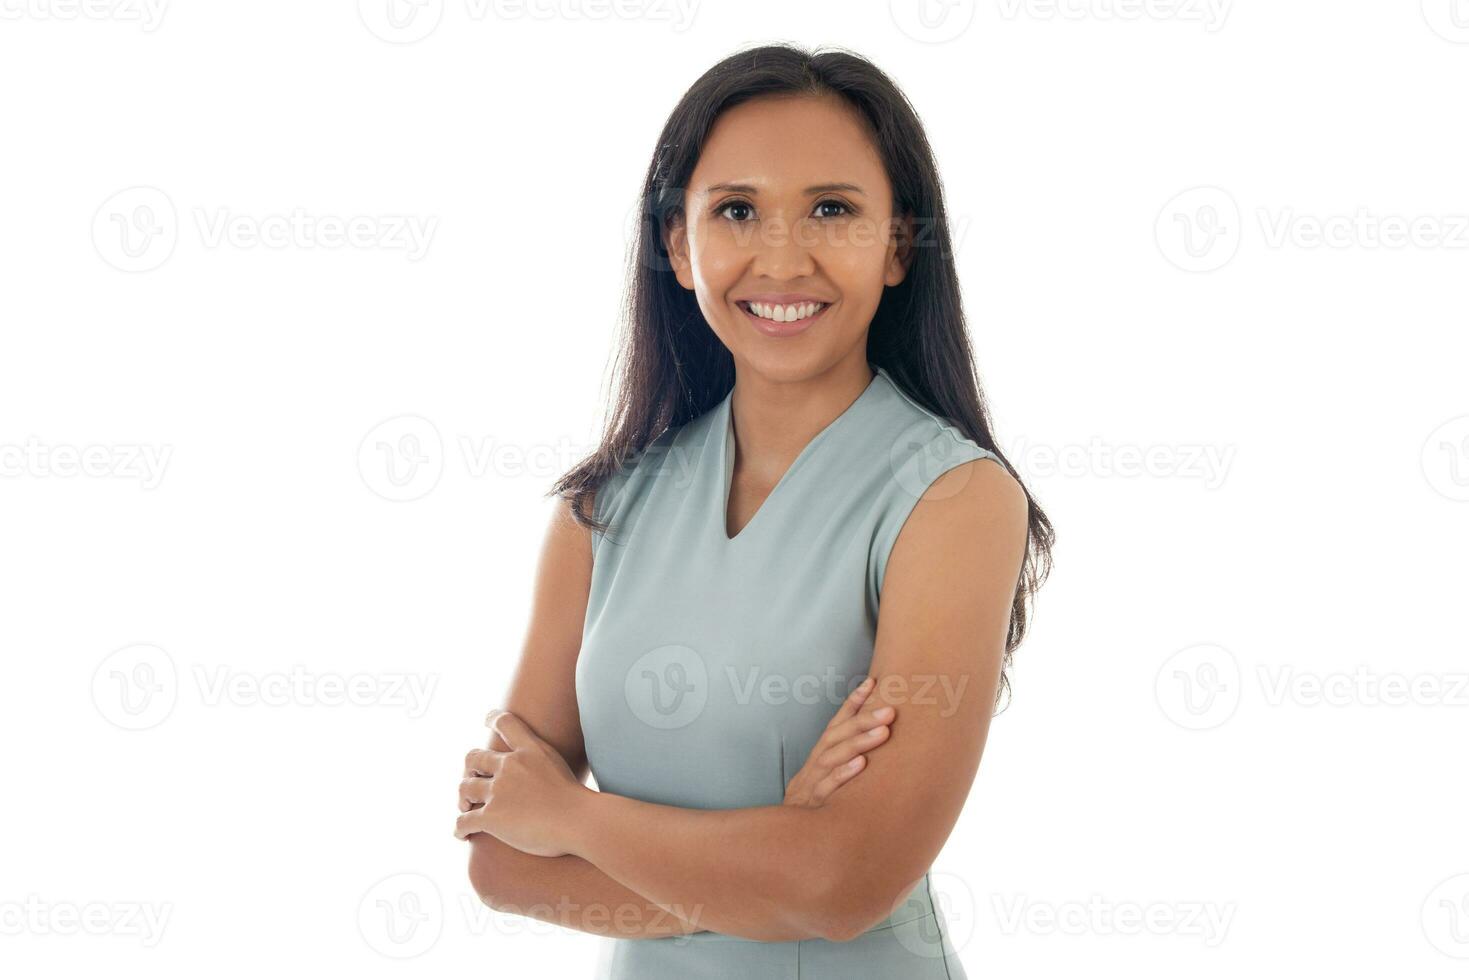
<point x="789" y="313"/>
<point x="782" y="320"/>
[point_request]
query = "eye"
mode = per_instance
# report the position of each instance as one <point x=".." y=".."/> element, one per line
<point x="731" y="204"/>
<point x="843" y="209"/>
<point x="834" y="203"/>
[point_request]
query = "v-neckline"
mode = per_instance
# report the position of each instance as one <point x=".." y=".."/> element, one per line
<point x="726" y="457"/>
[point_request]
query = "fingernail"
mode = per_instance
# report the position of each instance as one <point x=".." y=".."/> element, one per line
<point x="854" y="763"/>
<point x="866" y="683"/>
<point x="883" y="713"/>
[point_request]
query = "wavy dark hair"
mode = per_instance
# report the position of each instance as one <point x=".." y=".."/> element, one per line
<point x="670" y="367"/>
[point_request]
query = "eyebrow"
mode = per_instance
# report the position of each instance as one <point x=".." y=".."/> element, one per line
<point x="754" y="191"/>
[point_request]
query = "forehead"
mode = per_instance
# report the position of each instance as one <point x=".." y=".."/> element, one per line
<point x="782" y="144"/>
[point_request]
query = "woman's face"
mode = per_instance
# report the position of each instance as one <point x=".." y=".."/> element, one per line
<point x="788" y="205"/>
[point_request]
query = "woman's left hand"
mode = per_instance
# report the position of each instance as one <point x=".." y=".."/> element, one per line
<point x="528" y="793"/>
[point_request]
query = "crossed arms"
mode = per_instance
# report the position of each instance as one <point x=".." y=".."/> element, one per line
<point x="631" y="869"/>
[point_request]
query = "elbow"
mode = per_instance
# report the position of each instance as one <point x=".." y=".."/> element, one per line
<point x="853" y="901"/>
<point x="844" y="918"/>
<point x="489" y="875"/>
<point x="841" y="930"/>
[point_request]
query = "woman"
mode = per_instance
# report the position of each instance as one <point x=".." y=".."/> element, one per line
<point x="799" y="434"/>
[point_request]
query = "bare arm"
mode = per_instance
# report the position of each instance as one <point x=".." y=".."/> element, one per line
<point x="568" y="890"/>
<point x="780" y="872"/>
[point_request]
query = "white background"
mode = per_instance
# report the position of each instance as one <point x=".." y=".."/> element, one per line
<point x="1244" y="407"/>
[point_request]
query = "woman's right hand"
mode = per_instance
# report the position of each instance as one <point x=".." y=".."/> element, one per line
<point x="838" y="754"/>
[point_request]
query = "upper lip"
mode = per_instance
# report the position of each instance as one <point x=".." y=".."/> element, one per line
<point x="781" y="299"/>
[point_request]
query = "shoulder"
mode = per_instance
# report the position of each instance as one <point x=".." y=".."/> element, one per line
<point x="943" y="493"/>
<point x="979" y="496"/>
<point x="665" y="462"/>
<point x="931" y="460"/>
<point x="967" y="535"/>
<point x="634" y="470"/>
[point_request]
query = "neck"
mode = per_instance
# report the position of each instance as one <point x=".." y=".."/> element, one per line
<point x="774" y="419"/>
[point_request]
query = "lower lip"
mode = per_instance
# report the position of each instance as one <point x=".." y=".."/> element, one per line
<point x="772" y="329"/>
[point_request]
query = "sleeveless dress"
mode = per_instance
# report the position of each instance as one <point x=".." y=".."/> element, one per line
<point x="710" y="665"/>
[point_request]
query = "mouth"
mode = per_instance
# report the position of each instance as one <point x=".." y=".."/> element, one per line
<point x="782" y="321"/>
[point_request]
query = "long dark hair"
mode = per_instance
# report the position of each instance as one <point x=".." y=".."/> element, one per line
<point x="670" y="367"/>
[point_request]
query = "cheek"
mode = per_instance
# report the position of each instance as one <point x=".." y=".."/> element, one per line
<point x="856" y="267"/>
<point x="716" y="257"/>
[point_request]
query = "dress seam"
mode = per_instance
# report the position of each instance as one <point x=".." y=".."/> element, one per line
<point x="943" y="950"/>
<point x="944" y="424"/>
<point x="715" y="937"/>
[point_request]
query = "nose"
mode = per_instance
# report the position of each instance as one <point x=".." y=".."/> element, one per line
<point x="783" y="250"/>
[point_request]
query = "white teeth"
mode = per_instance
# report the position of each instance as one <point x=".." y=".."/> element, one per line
<point x="785" y="313"/>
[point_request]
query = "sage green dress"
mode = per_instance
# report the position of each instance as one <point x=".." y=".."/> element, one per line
<point x="710" y="665"/>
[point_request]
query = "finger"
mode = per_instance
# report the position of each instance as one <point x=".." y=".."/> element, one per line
<point x="474" y="822"/>
<point x="873" y="714"/>
<point x="474" y="790"/>
<point x="868" y="718"/>
<point x="514" y="731"/>
<point x="842" y="752"/>
<point x="852" y="702"/>
<point x="833" y="780"/>
<point x="483" y="762"/>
